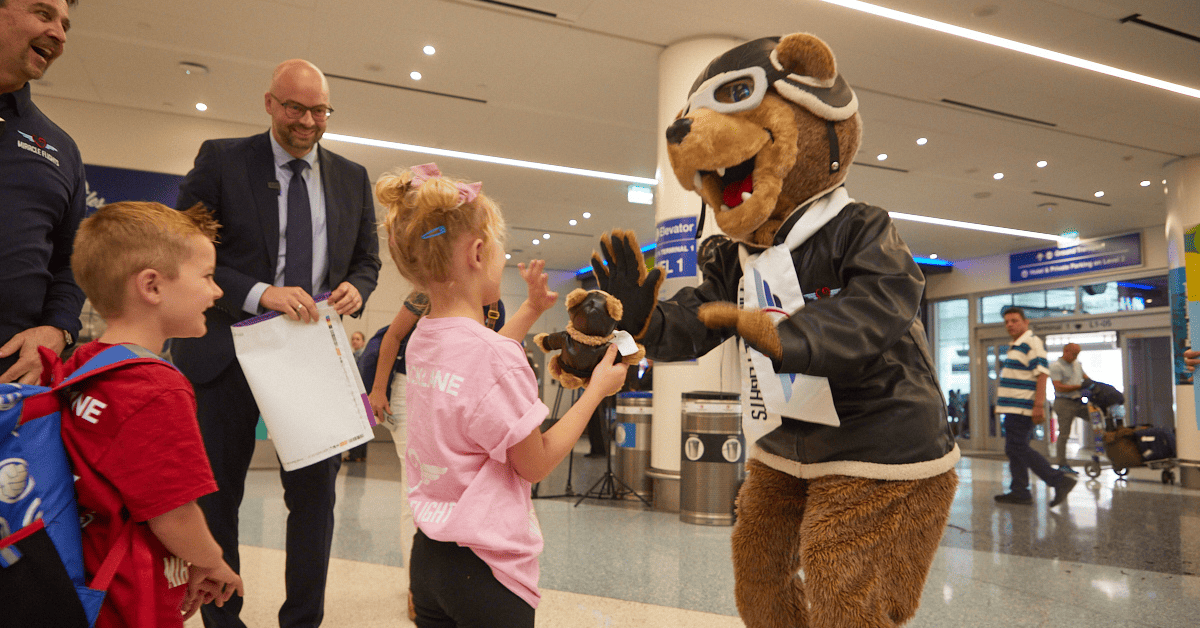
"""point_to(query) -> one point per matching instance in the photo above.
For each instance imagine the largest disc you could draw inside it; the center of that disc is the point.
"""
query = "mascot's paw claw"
(754, 326)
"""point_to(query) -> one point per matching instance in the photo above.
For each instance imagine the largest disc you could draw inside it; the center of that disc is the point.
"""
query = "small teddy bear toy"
(593, 325)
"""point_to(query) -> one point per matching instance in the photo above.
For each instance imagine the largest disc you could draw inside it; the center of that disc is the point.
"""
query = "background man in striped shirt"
(1021, 400)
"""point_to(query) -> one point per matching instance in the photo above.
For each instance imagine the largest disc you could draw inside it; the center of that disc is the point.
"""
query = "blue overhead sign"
(1085, 257)
(110, 185)
(676, 251)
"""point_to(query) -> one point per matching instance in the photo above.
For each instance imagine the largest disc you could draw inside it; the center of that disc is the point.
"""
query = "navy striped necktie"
(297, 270)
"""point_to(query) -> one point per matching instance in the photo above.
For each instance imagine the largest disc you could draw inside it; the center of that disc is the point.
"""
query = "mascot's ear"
(804, 54)
(576, 297)
(614, 307)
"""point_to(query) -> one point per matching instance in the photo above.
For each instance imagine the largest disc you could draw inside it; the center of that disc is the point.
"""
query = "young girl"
(474, 439)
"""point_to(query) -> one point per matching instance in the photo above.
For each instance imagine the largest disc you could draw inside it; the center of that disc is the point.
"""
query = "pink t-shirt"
(471, 396)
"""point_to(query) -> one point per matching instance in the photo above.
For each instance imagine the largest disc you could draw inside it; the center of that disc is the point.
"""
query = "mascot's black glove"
(626, 278)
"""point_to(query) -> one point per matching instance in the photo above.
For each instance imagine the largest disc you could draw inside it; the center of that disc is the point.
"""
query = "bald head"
(297, 87)
(295, 71)
(1070, 352)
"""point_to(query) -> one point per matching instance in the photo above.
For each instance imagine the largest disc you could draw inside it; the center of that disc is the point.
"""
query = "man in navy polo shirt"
(42, 195)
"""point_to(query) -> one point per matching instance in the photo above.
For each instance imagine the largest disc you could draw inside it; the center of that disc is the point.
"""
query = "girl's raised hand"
(541, 298)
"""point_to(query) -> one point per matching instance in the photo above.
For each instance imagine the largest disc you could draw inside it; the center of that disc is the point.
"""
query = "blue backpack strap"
(109, 358)
(113, 357)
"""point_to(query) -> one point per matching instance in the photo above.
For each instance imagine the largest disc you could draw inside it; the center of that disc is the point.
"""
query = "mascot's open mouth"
(737, 183)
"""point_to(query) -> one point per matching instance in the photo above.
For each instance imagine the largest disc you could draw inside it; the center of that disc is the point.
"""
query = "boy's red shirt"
(134, 443)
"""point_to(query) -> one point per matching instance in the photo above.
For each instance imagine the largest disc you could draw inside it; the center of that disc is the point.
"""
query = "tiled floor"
(1118, 553)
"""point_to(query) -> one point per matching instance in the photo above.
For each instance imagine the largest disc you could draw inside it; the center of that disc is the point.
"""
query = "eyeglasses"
(295, 110)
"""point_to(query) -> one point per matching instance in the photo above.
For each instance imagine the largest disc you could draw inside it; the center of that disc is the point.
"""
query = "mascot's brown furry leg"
(866, 547)
(766, 549)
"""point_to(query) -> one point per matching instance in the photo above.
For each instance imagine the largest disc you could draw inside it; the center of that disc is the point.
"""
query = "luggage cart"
(1103, 422)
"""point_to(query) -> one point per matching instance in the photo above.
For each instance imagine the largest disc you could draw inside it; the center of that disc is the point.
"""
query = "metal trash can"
(632, 436)
(712, 457)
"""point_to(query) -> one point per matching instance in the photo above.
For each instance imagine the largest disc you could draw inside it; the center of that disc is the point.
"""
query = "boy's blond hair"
(123, 239)
(414, 212)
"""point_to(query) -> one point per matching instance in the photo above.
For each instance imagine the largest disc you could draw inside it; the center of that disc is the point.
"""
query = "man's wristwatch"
(68, 339)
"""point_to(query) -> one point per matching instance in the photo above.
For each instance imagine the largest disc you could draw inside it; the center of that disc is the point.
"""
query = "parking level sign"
(1082, 258)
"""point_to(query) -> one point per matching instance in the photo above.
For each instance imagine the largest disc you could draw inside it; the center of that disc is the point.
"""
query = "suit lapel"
(334, 213)
(261, 172)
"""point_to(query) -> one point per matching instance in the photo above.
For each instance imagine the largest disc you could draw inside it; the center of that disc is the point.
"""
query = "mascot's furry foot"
(865, 547)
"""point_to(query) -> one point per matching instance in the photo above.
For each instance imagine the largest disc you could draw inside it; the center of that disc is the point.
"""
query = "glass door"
(1149, 379)
(987, 432)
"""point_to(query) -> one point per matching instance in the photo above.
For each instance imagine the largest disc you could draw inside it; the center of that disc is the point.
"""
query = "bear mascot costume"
(851, 473)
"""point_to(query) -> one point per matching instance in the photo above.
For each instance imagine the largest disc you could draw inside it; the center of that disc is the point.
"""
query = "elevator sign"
(1085, 257)
(676, 250)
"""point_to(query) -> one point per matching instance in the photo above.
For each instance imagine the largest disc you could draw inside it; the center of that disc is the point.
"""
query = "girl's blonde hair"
(423, 220)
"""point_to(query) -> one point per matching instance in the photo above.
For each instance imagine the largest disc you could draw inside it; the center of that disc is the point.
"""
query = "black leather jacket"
(864, 336)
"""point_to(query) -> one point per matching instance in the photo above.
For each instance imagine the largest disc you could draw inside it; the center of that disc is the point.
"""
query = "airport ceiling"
(575, 83)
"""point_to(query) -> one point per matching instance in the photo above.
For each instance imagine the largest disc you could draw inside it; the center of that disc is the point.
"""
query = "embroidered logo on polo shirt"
(39, 146)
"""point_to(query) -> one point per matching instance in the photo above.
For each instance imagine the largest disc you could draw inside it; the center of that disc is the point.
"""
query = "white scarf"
(776, 290)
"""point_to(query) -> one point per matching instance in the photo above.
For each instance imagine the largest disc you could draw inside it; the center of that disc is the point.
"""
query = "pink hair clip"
(467, 192)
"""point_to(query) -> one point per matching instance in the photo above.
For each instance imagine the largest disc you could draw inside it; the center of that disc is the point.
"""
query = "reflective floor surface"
(1118, 553)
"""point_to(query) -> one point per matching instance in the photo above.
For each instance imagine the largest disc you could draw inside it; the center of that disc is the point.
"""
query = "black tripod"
(609, 486)
(568, 491)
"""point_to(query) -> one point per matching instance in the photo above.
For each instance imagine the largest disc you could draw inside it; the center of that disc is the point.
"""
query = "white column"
(1182, 189)
(678, 67)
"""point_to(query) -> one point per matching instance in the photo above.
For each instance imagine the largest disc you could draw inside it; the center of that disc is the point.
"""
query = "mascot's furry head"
(769, 125)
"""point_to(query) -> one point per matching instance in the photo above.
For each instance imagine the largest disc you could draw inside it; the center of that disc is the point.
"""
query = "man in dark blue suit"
(296, 220)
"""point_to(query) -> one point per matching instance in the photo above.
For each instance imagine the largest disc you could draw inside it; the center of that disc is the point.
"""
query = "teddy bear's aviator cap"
(831, 100)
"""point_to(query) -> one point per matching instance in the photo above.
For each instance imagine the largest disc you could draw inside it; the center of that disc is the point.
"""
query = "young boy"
(131, 433)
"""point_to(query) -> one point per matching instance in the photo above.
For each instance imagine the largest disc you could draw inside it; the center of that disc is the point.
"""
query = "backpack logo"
(15, 482)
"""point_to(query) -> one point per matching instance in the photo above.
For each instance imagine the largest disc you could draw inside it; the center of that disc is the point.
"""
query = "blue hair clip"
(433, 233)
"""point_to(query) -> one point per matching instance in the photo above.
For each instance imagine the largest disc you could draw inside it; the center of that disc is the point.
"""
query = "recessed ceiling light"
(881, 156)
(589, 214)
(201, 107)
(998, 176)
(933, 256)
(1017, 46)
(508, 256)
(414, 75)
(1145, 184)
(429, 50)
(536, 241)
(574, 222)
(922, 141)
(545, 236)
(1099, 194)
(1041, 164)
(1164, 182)
(193, 69)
